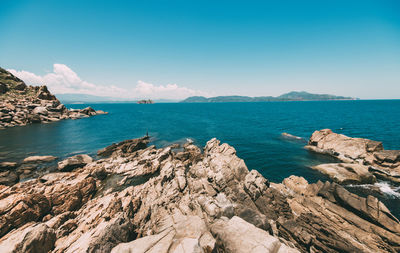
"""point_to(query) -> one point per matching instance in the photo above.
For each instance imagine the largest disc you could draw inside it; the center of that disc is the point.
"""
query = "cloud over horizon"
(64, 80)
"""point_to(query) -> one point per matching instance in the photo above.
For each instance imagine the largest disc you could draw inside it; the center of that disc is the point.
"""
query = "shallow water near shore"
(254, 129)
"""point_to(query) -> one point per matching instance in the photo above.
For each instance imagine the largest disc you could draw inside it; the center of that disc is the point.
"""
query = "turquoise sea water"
(254, 129)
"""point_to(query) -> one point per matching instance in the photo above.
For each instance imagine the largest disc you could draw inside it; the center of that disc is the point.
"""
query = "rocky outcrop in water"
(21, 104)
(144, 199)
(363, 158)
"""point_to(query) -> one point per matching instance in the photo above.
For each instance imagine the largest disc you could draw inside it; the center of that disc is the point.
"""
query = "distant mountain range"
(291, 96)
(72, 98)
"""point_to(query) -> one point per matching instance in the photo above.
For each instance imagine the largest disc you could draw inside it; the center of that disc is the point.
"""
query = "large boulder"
(180, 234)
(347, 173)
(342, 145)
(237, 235)
(39, 159)
(88, 111)
(40, 110)
(127, 146)
(32, 238)
(44, 93)
(74, 162)
(382, 163)
(19, 209)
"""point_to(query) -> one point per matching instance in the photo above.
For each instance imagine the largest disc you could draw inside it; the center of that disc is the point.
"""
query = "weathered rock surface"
(144, 199)
(7, 165)
(21, 104)
(127, 146)
(368, 153)
(347, 173)
(74, 162)
(8, 177)
(39, 159)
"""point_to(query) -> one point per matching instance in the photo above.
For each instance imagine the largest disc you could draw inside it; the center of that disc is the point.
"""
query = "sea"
(253, 129)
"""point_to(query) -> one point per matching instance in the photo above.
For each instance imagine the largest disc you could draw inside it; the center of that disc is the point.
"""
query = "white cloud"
(64, 80)
(170, 91)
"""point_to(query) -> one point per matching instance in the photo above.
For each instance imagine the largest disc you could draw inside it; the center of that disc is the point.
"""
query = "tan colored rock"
(32, 104)
(236, 235)
(31, 238)
(126, 146)
(39, 159)
(347, 173)
(7, 166)
(382, 163)
(162, 200)
(180, 234)
(74, 162)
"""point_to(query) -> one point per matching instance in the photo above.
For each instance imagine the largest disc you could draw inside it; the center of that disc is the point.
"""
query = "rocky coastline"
(21, 104)
(139, 198)
(362, 160)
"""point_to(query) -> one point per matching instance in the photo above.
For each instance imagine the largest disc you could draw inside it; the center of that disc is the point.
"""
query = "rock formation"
(144, 101)
(138, 198)
(363, 158)
(21, 104)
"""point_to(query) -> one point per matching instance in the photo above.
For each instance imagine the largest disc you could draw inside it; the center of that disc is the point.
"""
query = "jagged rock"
(44, 93)
(236, 235)
(8, 177)
(127, 146)
(39, 159)
(21, 104)
(33, 238)
(180, 234)
(88, 111)
(18, 209)
(255, 184)
(145, 199)
(370, 208)
(74, 162)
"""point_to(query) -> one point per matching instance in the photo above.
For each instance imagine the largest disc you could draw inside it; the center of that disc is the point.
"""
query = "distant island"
(291, 96)
(148, 101)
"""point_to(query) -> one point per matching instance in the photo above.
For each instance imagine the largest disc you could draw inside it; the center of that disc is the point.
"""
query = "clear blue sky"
(218, 47)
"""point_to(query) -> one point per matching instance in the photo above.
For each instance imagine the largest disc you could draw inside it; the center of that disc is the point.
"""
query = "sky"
(175, 49)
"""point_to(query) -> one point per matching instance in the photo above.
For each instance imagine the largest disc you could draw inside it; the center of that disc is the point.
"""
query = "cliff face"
(21, 104)
(186, 199)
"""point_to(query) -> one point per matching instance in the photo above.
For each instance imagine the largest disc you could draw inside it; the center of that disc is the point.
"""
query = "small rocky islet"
(139, 198)
(21, 104)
